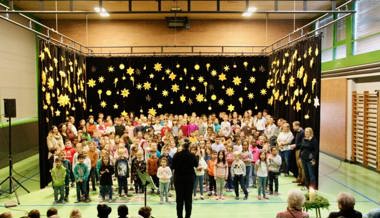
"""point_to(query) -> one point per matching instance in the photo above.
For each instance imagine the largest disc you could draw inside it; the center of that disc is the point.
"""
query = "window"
(340, 52)
(327, 55)
(367, 26)
(327, 32)
(341, 29)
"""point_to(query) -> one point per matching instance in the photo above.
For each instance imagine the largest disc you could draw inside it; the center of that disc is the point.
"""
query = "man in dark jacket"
(299, 135)
(184, 175)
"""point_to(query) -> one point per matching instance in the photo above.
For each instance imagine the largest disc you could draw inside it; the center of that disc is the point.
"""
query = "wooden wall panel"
(334, 117)
(156, 32)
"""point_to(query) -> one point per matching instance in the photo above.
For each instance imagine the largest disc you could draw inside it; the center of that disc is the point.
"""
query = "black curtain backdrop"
(294, 82)
(62, 92)
(176, 84)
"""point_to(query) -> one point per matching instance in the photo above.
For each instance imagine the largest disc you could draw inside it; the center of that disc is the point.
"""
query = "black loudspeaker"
(9, 107)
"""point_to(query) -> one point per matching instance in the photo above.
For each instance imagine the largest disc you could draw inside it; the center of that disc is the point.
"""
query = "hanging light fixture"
(101, 10)
(249, 11)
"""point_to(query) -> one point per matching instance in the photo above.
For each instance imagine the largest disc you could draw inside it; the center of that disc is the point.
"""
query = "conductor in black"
(184, 177)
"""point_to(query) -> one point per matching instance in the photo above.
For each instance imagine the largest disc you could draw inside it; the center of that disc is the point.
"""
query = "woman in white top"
(284, 140)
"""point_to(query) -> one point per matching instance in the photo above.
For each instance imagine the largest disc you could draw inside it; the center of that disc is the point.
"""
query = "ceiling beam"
(182, 12)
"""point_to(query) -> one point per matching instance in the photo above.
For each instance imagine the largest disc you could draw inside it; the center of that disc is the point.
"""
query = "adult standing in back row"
(183, 164)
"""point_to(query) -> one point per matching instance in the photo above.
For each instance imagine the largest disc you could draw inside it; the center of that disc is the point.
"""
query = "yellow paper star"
(101, 79)
(139, 86)
(252, 79)
(182, 98)
(197, 67)
(172, 76)
(110, 69)
(208, 65)
(175, 88)
(177, 66)
(124, 113)
(291, 81)
(221, 102)
(230, 91)
(151, 75)
(200, 97)
(115, 106)
(190, 102)
(298, 106)
(159, 105)
(250, 95)
(125, 93)
(213, 97)
(263, 92)
(147, 85)
(57, 113)
(121, 66)
(103, 104)
(152, 112)
(130, 71)
(245, 63)
(50, 83)
(226, 68)
(157, 67)
(123, 78)
(193, 88)
(231, 108)
(236, 81)
(108, 92)
(63, 100)
(200, 79)
(165, 93)
(167, 71)
(316, 102)
(222, 77)
(213, 73)
(115, 81)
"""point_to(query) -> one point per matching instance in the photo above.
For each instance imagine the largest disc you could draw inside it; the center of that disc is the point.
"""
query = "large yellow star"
(110, 69)
(200, 79)
(130, 71)
(172, 76)
(236, 81)
(230, 91)
(200, 97)
(182, 98)
(222, 77)
(157, 67)
(252, 79)
(291, 81)
(231, 108)
(175, 88)
(221, 102)
(91, 83)
(124, 113)
(167, 71)
(101, 79)
(165, 93)
(226, 68)
(152, 112)
(298, 106)
(147, 85)
(263, 91)
(103, 104)
(125, 93)
(250, 96)
(63, 100)
(50, 83)
(139, 86)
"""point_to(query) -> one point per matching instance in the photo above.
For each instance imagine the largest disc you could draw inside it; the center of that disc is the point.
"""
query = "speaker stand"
(11, 178)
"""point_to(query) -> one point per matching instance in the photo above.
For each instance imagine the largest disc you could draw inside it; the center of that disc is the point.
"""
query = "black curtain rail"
(181, 12)
(171, 0)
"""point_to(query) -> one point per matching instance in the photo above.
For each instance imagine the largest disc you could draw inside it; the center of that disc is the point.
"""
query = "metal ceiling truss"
(42, 31)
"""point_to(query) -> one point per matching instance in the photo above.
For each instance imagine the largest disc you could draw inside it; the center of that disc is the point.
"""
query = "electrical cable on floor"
(28, 178)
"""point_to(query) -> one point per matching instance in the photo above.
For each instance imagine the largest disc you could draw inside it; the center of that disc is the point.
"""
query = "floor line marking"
(352, 189)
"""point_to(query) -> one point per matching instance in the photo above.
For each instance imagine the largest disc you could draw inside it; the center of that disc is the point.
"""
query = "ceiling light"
(252, 9)
(246, 14)
(102, 11)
